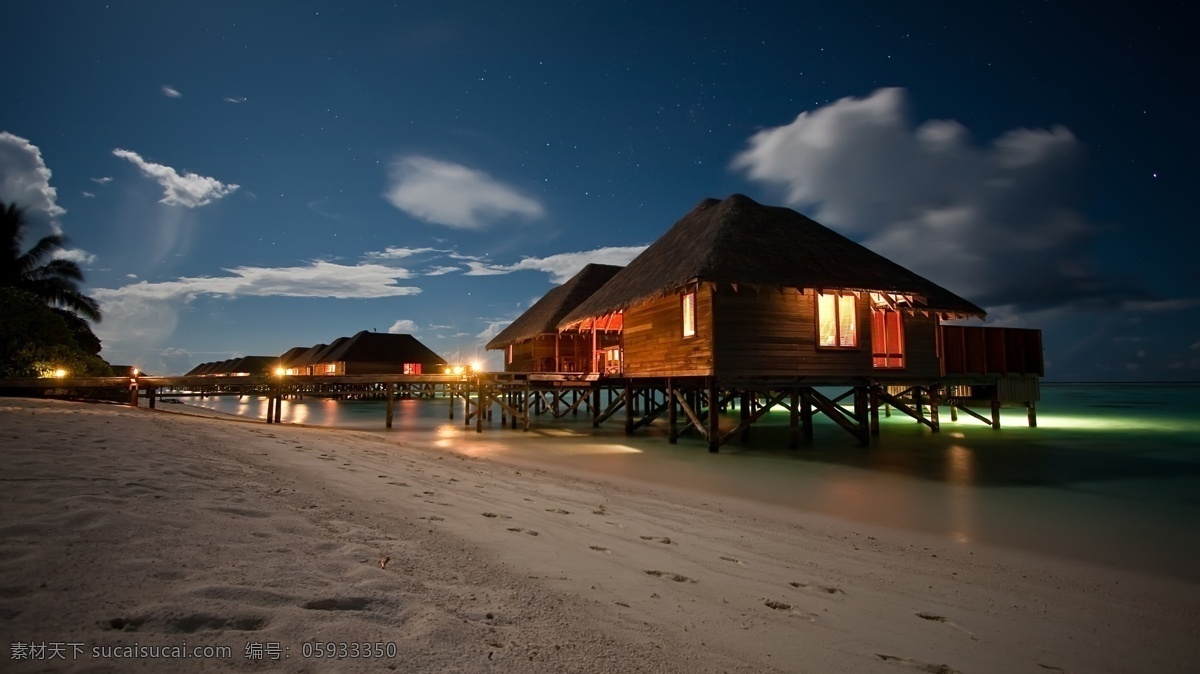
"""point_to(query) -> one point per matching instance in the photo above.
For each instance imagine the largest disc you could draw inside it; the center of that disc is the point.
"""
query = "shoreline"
(287, 515)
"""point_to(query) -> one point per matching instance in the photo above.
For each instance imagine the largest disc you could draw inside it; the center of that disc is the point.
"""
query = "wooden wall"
(921, 357)
(762, 333)
(654, 345)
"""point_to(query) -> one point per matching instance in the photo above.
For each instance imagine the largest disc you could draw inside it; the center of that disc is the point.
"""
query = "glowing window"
(887, 339)
(510, 350)
(412, 368)
(689, 315)
(331, 368)
(836, 324)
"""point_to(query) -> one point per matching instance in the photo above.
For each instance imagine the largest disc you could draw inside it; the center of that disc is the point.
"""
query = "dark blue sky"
(247, 177)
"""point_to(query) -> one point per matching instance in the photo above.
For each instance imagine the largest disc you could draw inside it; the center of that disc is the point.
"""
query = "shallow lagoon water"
(1111, 475)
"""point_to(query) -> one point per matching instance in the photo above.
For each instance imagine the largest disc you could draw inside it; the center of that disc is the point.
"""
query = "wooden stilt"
(918, 405)
(806, 412)
(1032, 413)
(133, 395)
(629, 411)
(390, 404)
(935, 423)
(794, 420)
(150, 394)
(887, 410)
(596, 405)
(672, 415)
(479, 413)
(874, 405)
(744, 414)
(995, 410)
(525, 408)
(714, 417)
(953, 413)
(450, 395)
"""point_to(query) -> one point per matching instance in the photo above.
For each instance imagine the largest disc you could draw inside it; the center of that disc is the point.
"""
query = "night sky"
(244, 177)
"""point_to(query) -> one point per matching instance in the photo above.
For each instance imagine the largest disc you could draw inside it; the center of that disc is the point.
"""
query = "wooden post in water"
(1032, 413)
(672, 414)
(596, 403)
(133, 393)
(450, 395)
(628, 408)
(935, 423)
(278, 404)
(744, 413)
(794, 421)
(874, 405)
(390, 395)
(995, 409)
(150, 394)
(806, 415)
(714, 416)
(479, 407)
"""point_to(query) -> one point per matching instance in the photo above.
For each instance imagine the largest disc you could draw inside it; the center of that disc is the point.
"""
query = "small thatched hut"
(533, 343)
(739, 290)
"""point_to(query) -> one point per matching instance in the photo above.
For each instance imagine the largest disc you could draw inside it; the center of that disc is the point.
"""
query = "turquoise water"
(1111, 475)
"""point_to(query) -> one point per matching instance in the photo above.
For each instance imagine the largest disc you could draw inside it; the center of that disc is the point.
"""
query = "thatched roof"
(543, 317)
(739, 241)
(308, 357)
(381, 347)
(289, 357)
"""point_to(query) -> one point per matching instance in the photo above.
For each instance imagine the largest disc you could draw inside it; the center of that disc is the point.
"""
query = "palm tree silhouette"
(55, 281)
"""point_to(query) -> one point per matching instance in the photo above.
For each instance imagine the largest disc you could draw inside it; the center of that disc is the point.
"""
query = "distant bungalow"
(364, 353)
(742, 296)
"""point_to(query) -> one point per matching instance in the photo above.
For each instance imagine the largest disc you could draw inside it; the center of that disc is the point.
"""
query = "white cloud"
(175, 360)
(141, 316)
(88, 195)
(996, 223)
(454, 195)
(493, 328)
(403, 326)
(189, 190)
(231, 99)
(131, 276)
(25, 181)
(103, 181)
(396, 253)
(170, 91)
(318, 279)
(77, 255)
(561, 266)
(438, 271)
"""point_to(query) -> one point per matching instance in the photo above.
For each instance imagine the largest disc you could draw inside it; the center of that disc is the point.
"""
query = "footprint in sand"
(523, 530)
(661, 539)
(399, 484)
(731, 559)
(922, 666)
(677, 577)
(600, 548)
(558, 511)
(493, 515)
(778, 605)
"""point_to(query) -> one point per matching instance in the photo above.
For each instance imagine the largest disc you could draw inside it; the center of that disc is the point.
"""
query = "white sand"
(120, 526)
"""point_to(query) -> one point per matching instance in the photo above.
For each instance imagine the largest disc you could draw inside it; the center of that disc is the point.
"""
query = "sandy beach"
(126, 530)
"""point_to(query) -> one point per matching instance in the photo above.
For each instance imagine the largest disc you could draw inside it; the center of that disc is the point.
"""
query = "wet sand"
(125, 526)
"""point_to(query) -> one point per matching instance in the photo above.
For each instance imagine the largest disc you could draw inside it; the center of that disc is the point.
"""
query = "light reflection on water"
(1111, 474)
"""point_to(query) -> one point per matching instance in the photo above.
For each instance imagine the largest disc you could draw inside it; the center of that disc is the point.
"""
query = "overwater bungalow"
(377, 353)
(739, 298)
(533, 342)
(287, 361)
